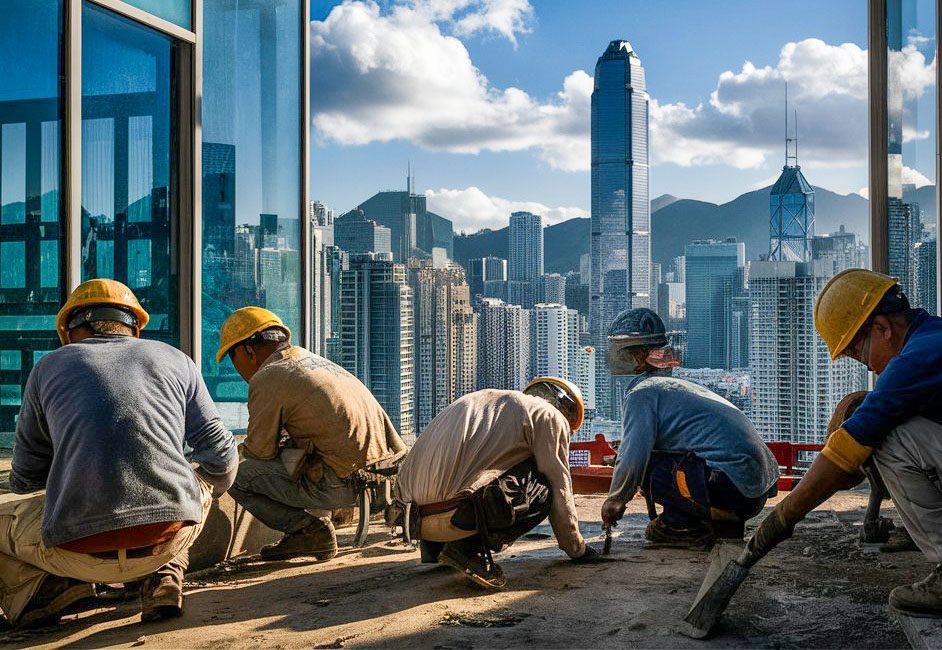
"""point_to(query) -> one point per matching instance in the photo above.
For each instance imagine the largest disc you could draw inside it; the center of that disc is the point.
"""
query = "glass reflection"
(127, 220)
(252, 212)
(912, 233)
(30, 202)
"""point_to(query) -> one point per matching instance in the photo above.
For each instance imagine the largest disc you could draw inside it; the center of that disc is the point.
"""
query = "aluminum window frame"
(878, 133)
(188, 143)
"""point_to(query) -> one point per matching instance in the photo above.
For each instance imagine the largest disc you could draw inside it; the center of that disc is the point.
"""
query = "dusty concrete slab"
(819, 589)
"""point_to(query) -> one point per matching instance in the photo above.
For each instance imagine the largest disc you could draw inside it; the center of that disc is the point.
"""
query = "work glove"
(591, 556)
(612, 511)
(773, 530)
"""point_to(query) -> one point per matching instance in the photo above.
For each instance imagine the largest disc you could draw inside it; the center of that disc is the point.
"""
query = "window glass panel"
(127, 154)
(174, 11)
(912, 234)
(30, 281)
(251, 175)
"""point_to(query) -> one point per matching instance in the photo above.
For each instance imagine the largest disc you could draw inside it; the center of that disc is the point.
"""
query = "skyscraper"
(445, 338)
(715, 272)
(376, 334)
(621, 244)
(525, 261)
(503, 345)
(924, 275)
(485, 269)
(356, 234)
(554, 341)
(554, 288)
(795, 385)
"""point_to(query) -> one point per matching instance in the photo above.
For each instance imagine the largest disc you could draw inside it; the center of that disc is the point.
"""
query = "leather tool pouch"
(496, 506)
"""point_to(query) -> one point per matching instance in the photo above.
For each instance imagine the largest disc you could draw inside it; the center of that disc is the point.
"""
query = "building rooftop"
(818, 589)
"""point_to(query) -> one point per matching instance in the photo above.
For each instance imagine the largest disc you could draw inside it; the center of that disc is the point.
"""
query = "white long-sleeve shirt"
(478, 438)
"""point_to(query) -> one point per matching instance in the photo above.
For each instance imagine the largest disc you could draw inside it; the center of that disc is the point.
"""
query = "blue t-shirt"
(910, 385)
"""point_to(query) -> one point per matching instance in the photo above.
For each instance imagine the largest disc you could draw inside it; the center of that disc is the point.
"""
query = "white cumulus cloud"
(383, 75)
(743, 123)
(471, 209)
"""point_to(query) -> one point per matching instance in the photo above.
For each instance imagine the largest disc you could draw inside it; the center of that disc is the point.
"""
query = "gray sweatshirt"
(667, 414)
(103, 427)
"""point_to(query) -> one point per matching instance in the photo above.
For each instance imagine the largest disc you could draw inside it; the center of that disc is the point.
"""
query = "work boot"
(921, 599)
(318, 540)
(161, 597)
(55, 594)
(697, 538)
(473, 566)
(898, 541)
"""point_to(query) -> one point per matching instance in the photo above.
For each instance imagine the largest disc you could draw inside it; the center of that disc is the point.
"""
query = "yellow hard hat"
(100, 291)
(845, 304)
(571, 389)
(243, 324)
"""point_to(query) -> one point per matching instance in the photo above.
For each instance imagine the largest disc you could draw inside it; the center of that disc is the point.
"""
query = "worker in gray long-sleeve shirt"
(685, 447)
(102, 490)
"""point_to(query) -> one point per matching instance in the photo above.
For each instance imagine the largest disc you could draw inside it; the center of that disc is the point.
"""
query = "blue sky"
(488, 98)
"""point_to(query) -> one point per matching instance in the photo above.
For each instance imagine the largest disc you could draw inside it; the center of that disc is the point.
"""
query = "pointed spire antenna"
(796, 137)
(789, 142)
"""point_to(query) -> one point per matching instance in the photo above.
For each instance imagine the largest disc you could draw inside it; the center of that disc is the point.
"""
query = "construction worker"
(312, 427)
(102, 491)
(489, 468)
(685, 447)
(865, 316)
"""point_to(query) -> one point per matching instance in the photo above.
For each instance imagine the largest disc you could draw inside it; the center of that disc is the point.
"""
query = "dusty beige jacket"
(482, 435)
(316, 400)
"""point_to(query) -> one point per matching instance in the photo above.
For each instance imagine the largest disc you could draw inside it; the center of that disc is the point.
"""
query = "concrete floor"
(820, 589)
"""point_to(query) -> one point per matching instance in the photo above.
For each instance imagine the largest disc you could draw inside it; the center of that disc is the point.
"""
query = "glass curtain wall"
(251, 162)
(128, 222)
(31, 205)
(912, 237)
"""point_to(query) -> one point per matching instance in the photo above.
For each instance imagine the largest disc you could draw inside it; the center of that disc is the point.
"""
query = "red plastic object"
(596, 477)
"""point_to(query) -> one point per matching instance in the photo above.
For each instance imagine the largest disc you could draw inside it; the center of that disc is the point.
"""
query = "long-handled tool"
(729, 566)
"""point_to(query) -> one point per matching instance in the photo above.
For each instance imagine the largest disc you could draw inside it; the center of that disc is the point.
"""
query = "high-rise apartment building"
(584, 376)
(924, 275)
(620, 232)
(322, 216)
(445, 338)
(715, 273)
(554, 341)
(841, 250)
(795, 385)
(503, 345)
(554, 288)
(525, 259)
(376, 334)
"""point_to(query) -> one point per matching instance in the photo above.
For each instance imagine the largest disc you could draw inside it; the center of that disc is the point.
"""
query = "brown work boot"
(899, 541)
(921, 599)
(318, 540)
(697, 538)
(472, 565)
(55, 594)
(161, 597)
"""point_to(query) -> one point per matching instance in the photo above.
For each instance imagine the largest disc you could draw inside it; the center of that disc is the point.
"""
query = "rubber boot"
(318, 540)
(54, 595)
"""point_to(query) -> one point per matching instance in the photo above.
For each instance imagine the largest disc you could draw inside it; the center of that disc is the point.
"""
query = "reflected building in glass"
(621, 243)
(115, 183)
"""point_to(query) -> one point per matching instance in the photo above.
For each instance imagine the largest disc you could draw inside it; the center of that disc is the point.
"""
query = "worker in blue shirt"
(683, 446)
(864, 315)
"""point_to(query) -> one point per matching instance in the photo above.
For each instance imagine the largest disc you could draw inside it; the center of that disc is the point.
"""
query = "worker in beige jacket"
(489, 468)
(312, 427)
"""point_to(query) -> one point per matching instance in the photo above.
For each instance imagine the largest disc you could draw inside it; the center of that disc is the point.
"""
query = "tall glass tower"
(621, 233)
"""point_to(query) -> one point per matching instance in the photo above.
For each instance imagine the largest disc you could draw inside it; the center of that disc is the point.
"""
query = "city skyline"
(698, 88)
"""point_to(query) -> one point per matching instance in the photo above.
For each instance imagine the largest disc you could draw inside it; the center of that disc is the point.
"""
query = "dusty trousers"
(525, 497)
(909, 461)
(25, 560)
(264, 488)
